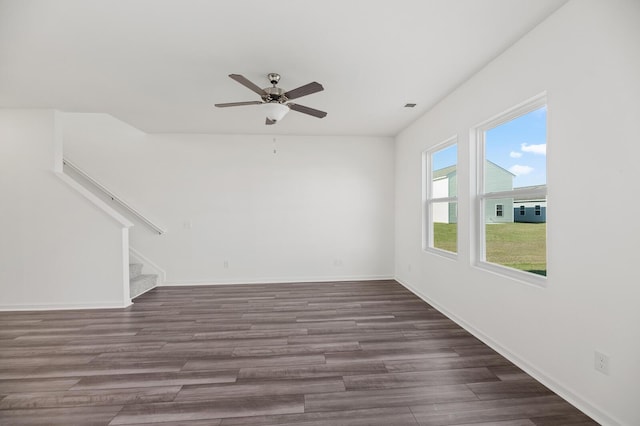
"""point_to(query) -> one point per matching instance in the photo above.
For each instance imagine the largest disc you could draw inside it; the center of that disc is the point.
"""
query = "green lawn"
(445, 236)
(516, 245)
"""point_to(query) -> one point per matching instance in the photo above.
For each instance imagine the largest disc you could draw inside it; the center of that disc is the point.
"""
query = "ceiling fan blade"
(230, 104)
(269, 122)
(305, 90)
(246, 83)
(306, 110)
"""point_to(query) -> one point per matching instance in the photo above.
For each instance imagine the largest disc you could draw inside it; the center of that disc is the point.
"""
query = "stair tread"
(143, 277)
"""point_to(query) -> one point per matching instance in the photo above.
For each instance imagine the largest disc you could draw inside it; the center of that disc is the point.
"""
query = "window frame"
(541, 191)
(428, 200)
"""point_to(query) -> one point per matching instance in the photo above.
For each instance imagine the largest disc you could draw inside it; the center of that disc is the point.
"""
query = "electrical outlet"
(226, 264)
(601, 362)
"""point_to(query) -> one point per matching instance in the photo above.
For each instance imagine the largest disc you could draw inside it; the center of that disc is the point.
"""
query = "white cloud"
(514, 154)
(519, 170)
(536, 149)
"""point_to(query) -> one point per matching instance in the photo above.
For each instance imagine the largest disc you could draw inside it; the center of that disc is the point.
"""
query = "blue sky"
(519, 145)
(445, 157)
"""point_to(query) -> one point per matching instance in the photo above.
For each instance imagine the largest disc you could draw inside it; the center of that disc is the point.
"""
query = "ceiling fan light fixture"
(275, 111)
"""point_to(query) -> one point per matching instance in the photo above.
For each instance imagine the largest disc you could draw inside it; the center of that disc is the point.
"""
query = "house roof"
(440, 173)
(500, 167)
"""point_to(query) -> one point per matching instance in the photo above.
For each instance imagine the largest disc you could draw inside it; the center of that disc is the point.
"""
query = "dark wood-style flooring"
(343, 353)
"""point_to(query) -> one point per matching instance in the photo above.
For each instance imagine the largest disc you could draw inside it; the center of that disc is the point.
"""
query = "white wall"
(587, 57)
(320, 208)
(57, 250)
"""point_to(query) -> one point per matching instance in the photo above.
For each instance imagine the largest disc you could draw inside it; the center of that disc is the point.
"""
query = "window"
(512, 167)
(441, 198)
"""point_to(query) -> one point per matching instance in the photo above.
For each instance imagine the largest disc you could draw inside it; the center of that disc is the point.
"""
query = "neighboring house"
(496, 211)
(445, 184)
(530, 210)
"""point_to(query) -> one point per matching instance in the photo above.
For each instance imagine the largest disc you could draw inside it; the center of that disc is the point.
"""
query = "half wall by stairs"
(140, 283)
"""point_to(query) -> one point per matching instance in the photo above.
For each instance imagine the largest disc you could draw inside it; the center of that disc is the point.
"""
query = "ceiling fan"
(276, 100)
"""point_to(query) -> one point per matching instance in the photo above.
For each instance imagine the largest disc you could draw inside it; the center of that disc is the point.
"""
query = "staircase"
(138, 282)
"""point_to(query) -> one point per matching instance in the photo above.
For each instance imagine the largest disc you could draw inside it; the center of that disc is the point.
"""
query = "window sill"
(442, 253)
(528, 278)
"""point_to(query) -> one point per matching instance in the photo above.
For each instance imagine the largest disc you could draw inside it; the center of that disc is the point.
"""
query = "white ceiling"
(160, 65)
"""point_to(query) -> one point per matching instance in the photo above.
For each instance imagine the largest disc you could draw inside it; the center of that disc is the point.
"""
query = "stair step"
(135, 269)
(141, 284)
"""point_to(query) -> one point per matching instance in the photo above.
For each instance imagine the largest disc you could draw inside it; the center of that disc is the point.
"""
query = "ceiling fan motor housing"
(274, 94)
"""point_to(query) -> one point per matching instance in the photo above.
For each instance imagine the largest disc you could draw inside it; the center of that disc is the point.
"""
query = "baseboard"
(569, 395)
(64, 306)
(250, 281)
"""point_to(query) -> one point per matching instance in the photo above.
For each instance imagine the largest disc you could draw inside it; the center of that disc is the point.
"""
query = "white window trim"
(480, 256)
(428, 201)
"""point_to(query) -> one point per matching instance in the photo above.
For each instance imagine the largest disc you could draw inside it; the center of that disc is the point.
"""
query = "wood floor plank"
(250, 334)
(28, 385)
(424, 343)
(115, 367)
(211, 352)
(518, 422)
(358, 335)
(257, 388)
(89, 416)
(240, 362)
(509, 389)
(448, 363)
(50, 351)
(508, 372)
(223, 343)
(327, 326)
(174, 378)
(389, 354)
(312, 354)
(402, 397)
(388, 416)
(318, 370)
(415, 378)
(11, 373)
(491, 410)
(577, 419)
(54, 360)
(206, 422)
(317, 348)
(91, 398)
(209, 409)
